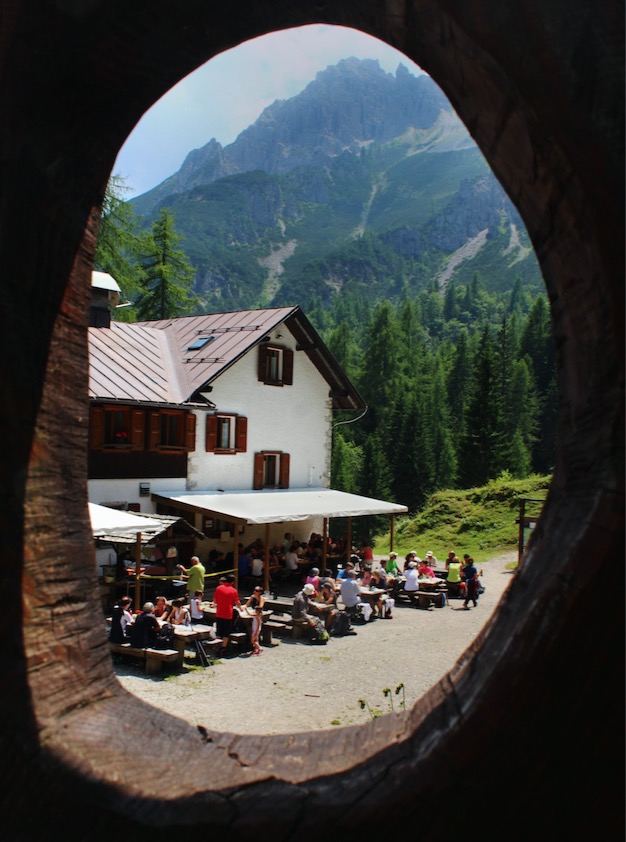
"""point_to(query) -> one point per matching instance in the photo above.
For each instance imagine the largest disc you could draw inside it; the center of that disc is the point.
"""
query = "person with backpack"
(302, 614)
(470, 576)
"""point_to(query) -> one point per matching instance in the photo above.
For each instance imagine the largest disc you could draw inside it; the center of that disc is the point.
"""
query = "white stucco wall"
(294, 419)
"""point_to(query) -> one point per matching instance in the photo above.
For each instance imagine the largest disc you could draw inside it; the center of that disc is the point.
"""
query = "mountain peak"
(346, 107)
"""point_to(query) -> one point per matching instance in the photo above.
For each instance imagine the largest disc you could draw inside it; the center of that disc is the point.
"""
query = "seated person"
(385, 604)
(351, 597)
(314, 578)
(121, 621)
(163, 609)
(343, 573)
(391, 565)
(257, 565)
(291, 559)
(180, 615)
(326, 603)
(328, 580)
(145, 629)
(454, 580)
(366, 579)
(411, 584)
(301, 610)
(425, 571)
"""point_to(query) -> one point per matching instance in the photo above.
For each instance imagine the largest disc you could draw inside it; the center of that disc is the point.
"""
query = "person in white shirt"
(257, 565)
(291, 558)
(195, 607)
(411, 577)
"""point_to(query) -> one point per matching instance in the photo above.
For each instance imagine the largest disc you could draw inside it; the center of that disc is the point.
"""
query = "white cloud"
(228, 93)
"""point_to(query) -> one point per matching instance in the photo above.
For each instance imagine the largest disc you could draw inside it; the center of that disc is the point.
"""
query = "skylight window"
(200, 342)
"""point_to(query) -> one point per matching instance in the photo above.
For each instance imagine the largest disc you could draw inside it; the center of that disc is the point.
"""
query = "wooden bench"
(266, 636)
(237, 639)
(154, 658)
(427, 598)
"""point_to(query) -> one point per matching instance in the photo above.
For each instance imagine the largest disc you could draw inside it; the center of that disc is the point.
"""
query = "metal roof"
(154, 362)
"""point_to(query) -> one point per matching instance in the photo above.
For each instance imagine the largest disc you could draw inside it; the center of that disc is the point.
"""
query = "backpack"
(341, 624)
(165, 637)
(320, 635)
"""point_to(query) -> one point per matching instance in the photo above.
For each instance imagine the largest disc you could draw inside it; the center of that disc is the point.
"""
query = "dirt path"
(297, 687)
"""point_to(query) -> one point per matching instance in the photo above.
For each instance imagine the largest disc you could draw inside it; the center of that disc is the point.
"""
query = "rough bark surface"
(540, 86)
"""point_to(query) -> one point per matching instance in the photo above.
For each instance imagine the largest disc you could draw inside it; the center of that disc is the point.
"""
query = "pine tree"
(480, 441)
(380, 377)
(168, 275)
(120, 243)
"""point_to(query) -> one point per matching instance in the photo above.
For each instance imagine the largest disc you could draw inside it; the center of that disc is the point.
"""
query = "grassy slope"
(479, 521)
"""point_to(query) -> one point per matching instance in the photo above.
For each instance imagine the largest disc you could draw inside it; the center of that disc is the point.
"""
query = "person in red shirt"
(225, 598)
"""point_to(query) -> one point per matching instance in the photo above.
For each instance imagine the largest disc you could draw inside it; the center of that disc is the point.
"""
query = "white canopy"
(107, 521)
(275, 505)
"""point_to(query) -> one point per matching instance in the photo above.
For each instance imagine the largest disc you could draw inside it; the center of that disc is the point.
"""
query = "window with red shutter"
(275, 365)
(271, 469)
(226, 433)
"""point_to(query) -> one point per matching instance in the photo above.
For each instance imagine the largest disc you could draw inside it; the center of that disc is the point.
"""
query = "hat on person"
(393, 555)
(412, 564)
(309, 589)
(413, 552)
(429, 553)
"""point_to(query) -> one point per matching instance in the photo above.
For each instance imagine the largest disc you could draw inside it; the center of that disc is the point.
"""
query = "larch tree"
(168, 276)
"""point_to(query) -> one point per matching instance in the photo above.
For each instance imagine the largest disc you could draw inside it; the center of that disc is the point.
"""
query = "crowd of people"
(328, 602)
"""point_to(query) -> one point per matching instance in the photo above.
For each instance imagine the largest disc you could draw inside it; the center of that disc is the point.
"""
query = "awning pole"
(138, 572)
(392, 522)
(236, 556)
(266, 560)
(349, 541)
(324, 544)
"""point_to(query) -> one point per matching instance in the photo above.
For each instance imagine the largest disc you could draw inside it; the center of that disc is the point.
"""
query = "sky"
(228, 93)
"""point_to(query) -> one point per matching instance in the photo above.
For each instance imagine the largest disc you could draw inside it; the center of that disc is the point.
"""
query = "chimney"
(105, 295)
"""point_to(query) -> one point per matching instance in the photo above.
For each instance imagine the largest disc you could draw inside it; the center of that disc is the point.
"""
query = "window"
(172, 430)
(275, 365)
(116, 428)
(226, 433)
(271, 469)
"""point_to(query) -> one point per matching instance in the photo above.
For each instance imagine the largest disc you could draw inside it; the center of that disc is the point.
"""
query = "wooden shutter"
(262, 367)
(190, 431)
(210, 439)
(241, 434)
(283, 479)
(154, 431)
(287, 367)
(137, 429)
(96, 428)
(259, 461)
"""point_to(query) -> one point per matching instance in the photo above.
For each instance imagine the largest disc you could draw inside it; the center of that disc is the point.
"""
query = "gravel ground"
(298, 687)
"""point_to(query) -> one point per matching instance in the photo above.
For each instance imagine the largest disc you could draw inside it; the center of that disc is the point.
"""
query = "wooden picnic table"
(183, 635)
(372, 595)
